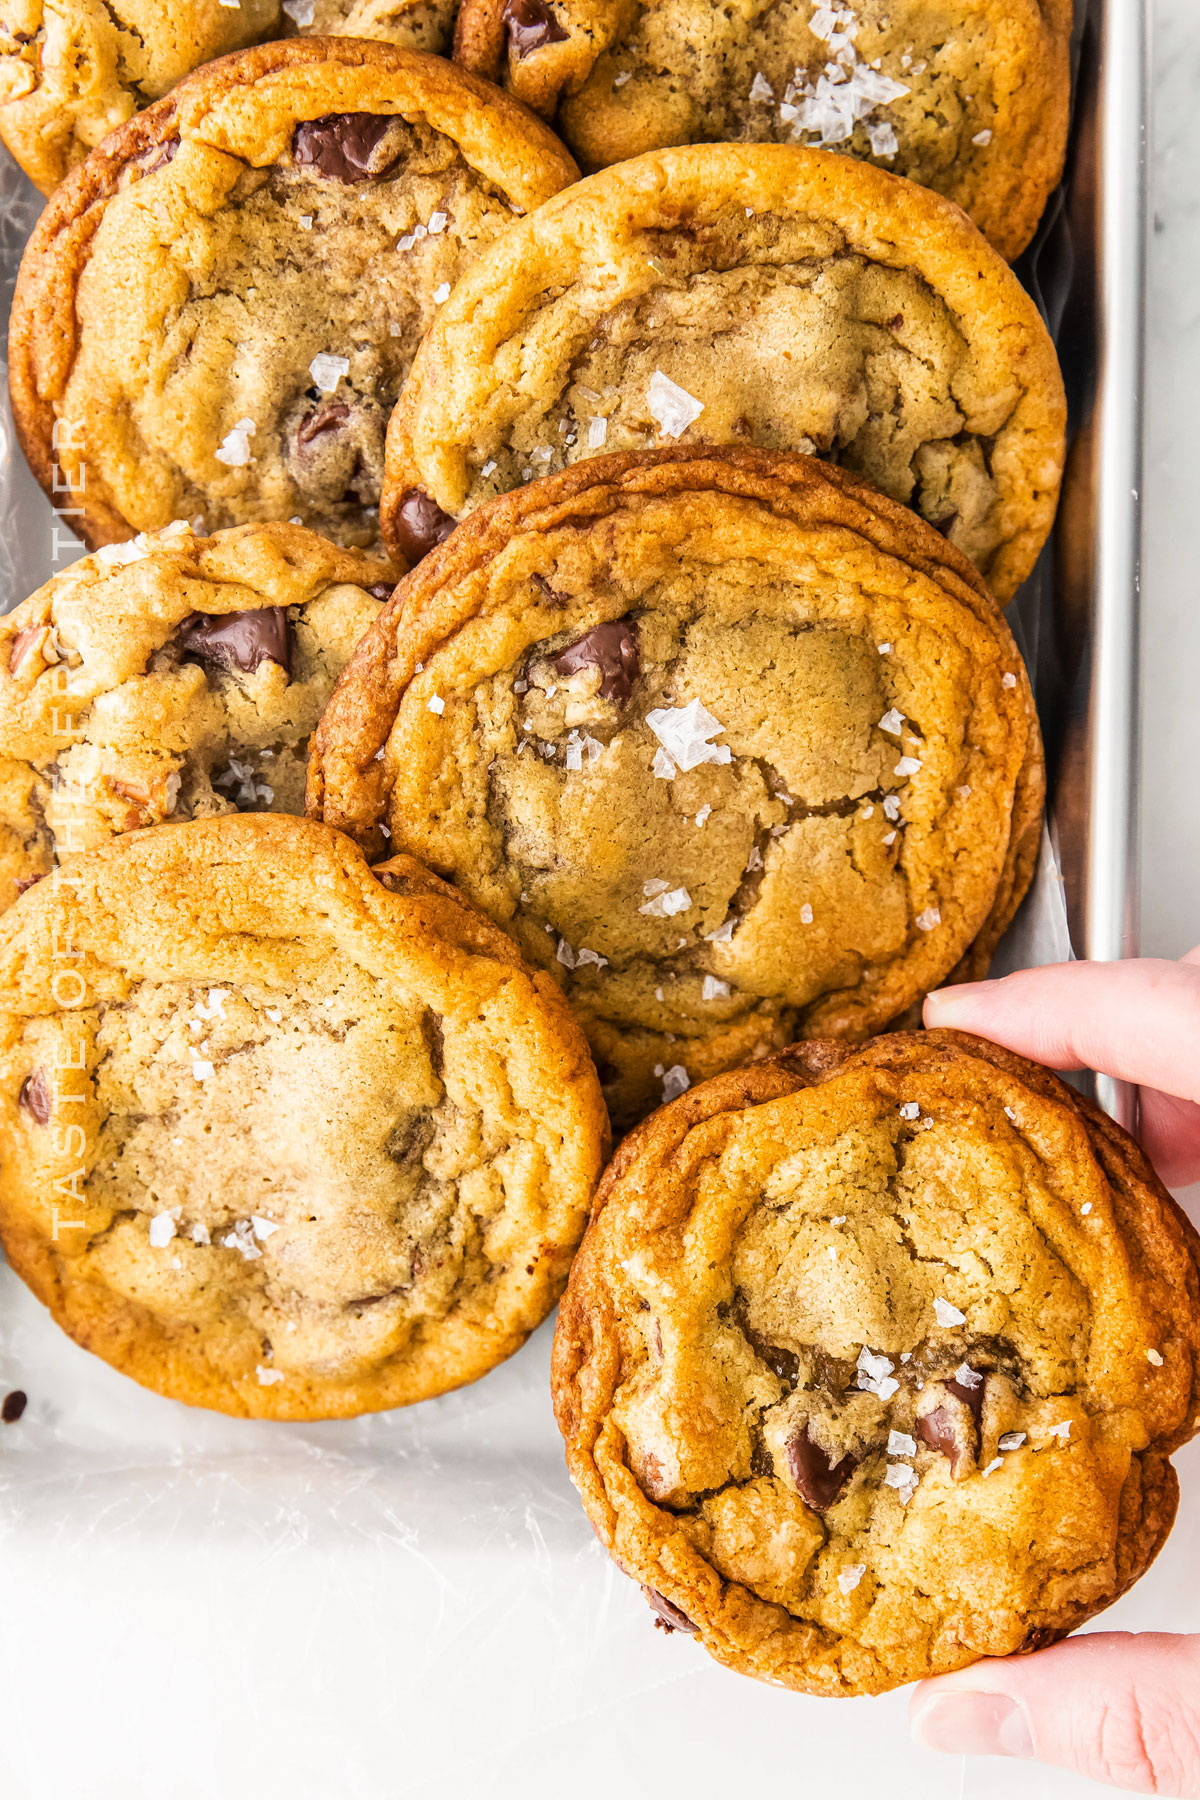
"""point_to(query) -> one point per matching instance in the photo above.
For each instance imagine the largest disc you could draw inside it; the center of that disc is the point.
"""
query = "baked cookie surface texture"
(971, 100)
(171, 677)
(752, 295)
(733, 746)
(872, 1361)
(216, 310)
(73, 70)
(285, 1137)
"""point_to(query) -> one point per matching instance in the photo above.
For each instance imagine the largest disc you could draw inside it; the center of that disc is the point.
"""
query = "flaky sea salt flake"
(684, 731)
(928, 920)
(900, 1444)
(721, 935)
(436, 704)
(910, 1110)
(968, 1377)
(849, 1577)
(982, 137)
(946, 1314)
(327, 370)
(268, 1377)
(806, 914)
(676, 1081)
(234, 448)
(1011, 1440)
(671, 407)
(908, 765)
(1155, 1357)
(760, 88)
(892, 720)
(666, 905)
(597, 431)
(262, 1228)
(713, 989)
(162, 1230)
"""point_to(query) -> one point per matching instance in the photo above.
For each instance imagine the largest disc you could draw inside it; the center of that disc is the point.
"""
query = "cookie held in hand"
(170, 678)
(285, 1137)
(744, 295)
(733, 746)
(217, 309)
(872, 1361)
(969, 99)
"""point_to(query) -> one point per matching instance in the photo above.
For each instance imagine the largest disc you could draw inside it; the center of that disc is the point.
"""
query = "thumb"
(1115, 1707)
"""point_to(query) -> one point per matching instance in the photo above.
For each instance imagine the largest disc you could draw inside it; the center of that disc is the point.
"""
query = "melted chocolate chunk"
(613, 649)
(1037, 1639)
(531, 25)
(158, 158)
(13, 1405)
(784, 1364)
(943, 1427)
(381, 590)
(970, 1396)
(325, 417)
(421, 525)
(818, 1480)
(237, 640)
(36, 1097)
(20, 646)
(345, 146)
(669, 1616)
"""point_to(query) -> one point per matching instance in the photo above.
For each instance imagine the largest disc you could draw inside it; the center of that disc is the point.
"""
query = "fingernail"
(975, 1725)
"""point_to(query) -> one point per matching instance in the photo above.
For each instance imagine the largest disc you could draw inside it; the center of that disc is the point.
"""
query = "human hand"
(1121, 1708)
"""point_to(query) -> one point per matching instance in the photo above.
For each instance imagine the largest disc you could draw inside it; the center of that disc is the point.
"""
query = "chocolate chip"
(240, 640)
(421, 525)
(970, 1396)
(531, 25)
(897, 323)
(944, 1428)
(22, 643)
(947, 524)
(782, 1363)
(37, 1097)
(818, 1479)
(345, 146)
(322, 418)
(669, 1616)
(1037, 1639)
(613, 649)
(25, 882)
(381, 590)
(160, 156)
(13, 1405)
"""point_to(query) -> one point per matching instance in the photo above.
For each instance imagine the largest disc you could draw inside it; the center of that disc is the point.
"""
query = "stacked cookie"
(611, 571)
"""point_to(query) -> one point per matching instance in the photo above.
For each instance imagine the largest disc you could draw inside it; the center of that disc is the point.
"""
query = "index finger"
(1137, 1021)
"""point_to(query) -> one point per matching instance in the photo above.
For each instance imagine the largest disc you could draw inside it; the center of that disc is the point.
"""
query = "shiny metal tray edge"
(1096, 554)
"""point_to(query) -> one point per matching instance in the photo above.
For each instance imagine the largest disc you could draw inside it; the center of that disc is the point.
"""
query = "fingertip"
(972, 1722)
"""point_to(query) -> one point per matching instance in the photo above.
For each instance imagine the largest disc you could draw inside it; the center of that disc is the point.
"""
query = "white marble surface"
(163, 1663)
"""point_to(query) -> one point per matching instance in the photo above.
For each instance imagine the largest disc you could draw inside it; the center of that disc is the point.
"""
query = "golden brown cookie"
(218, 307)
(743, 294)
(281, 1135)
(732, 745)
(971, 100)
(73, 70)
(172, 677)
(871, 1361)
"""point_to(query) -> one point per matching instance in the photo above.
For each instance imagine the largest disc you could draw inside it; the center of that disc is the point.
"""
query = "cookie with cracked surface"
(732, 745)
(172, 677)
(71, 71)
(872, 1361)
(286, 1137)
(217, 308)
(731, 294)
(969, 100)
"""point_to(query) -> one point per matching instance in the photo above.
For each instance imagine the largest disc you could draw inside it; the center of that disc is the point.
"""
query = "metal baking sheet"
(495, 1585)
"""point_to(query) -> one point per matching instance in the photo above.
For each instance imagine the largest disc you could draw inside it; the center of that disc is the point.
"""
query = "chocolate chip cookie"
(759, 295)
(279, 1134)
(871, 1361)
(73, 71)
(218, 307)
(971, 100)
(732, 745)
(173, 677)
